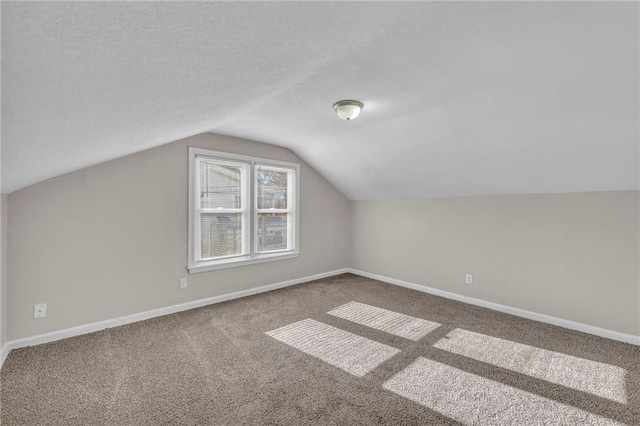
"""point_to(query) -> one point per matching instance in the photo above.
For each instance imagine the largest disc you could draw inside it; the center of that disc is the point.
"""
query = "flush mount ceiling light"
(348, 110)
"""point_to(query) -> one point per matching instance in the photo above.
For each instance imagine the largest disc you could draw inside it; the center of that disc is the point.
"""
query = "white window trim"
(253, 257)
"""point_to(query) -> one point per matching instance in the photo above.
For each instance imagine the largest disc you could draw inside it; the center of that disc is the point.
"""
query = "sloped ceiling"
(460, 98)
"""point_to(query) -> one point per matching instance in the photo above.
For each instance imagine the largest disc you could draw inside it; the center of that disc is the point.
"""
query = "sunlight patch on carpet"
(354, 354)
(596, 378)
(474, 400)
(384, 320)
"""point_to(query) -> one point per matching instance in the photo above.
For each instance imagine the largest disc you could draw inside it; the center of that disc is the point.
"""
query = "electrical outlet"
(183, 283)
(469, 279)
(40, 310)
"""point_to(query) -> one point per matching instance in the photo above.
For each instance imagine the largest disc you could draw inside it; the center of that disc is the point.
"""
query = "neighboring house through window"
(242, 210)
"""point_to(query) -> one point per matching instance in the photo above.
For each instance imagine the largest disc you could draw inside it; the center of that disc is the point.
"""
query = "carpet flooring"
(344, 350)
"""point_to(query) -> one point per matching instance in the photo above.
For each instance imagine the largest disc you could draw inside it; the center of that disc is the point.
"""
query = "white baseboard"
(628, 338)
(101, 325)
(4, 351)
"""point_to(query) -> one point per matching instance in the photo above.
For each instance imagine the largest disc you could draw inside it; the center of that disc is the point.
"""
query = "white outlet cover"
(183, 283)
(40, 310)
(469, 279)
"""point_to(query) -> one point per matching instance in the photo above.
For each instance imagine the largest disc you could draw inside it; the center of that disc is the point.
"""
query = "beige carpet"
(344, 350)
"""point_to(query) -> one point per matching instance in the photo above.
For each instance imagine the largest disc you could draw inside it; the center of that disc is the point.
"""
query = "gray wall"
(571, 256)
(111, 240)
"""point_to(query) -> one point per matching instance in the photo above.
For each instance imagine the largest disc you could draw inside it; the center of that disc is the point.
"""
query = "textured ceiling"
(460, 98)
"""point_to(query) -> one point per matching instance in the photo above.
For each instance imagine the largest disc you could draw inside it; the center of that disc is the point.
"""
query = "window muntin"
(241, 210)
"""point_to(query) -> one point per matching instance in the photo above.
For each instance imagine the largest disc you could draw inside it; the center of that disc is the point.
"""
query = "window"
(242, 210)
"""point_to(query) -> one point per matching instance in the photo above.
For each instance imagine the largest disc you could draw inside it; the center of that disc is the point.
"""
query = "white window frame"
(250, 212)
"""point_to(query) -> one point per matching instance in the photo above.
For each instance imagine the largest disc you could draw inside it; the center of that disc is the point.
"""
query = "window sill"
(214, 266)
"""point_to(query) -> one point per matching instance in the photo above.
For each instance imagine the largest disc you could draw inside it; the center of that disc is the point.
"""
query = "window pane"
(220, 185)
(220, 234)
(272, 231)
(271, 187)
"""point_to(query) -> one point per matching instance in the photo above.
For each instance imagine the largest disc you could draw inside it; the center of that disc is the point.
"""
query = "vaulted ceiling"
(460, 98)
